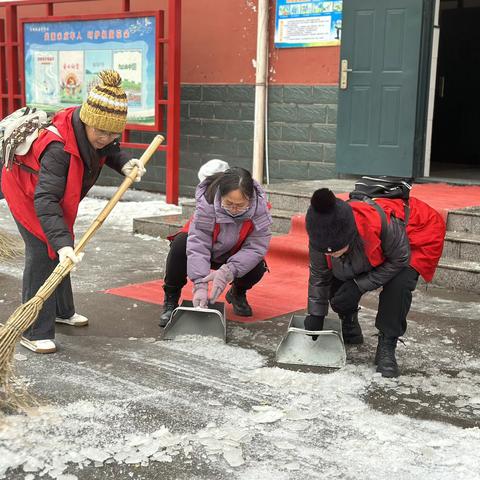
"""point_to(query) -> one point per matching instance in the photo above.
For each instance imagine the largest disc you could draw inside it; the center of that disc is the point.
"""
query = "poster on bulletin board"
(300, 23)
(63, 59)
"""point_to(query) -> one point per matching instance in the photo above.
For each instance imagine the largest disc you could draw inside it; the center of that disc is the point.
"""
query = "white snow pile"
(216, 349)
(50, 438)
(134, 204)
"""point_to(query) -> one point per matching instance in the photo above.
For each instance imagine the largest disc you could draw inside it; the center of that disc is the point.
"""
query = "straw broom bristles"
(25, 315)
(9, 246)
(22, 319)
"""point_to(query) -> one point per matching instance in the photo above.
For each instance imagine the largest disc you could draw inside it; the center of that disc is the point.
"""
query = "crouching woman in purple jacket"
(229, 234)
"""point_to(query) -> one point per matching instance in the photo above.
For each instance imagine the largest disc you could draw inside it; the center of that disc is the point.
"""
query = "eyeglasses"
(235, 207)
(105, 134)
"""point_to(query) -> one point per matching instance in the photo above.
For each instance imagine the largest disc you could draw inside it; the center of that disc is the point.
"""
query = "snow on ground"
(225, 408)
(134, 204)
(110, 248)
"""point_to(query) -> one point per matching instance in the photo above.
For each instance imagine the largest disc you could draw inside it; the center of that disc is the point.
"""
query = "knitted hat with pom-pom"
(106, 104)
(330, 222)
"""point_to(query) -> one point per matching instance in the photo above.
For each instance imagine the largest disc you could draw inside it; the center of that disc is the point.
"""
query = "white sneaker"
(76, 320)
(39, 346)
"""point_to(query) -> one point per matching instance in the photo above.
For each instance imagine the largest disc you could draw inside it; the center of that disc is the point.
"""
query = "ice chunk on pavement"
(237, 435)
(266, 414)
(296, 426)
(150, 448)
(234, 456)
(134, 459)
(161, 457)
(95, 454)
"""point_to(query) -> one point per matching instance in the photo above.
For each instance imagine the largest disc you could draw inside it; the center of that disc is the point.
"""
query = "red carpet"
(284, 288)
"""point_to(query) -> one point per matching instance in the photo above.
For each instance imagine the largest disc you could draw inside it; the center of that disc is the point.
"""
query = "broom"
(25, 315)
(9, 246)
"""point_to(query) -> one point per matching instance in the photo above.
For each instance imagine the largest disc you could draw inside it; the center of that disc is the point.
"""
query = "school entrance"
(455, 147)
(408, 98)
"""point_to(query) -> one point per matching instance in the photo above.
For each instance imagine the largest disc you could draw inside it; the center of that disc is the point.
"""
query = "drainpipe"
(260, 91)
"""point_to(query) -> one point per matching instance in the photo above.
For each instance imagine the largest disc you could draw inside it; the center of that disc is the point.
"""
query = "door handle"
(344, 70)
(442, 87)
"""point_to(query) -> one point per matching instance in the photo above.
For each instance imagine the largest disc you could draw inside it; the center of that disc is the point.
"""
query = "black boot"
(385, 356)
(351, 330)
(170, 303)
(238, 299)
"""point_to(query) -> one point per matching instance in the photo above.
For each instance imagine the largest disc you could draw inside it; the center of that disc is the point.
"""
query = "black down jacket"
(355, 265)
(52, 178)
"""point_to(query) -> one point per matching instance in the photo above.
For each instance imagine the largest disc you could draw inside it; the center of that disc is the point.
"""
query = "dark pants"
(176, 268)
(38, 266)
(394, 303)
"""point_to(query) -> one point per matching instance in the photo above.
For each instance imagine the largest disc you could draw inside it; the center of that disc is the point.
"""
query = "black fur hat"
(330, 222)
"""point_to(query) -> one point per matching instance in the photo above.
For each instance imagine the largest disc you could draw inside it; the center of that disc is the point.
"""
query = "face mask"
(236, 214)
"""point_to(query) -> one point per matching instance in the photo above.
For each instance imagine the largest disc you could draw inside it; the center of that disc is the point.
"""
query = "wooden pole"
(260, 91)
(126, 184)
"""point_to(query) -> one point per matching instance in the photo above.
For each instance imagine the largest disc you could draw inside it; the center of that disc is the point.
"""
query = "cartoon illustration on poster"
(129, 65)
(95, 62)
(62, 60)
(71, 77)
(302, 23)
(45, 88)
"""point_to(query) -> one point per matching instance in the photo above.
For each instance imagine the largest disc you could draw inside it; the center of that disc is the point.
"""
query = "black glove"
(346, 298)
(315, 323)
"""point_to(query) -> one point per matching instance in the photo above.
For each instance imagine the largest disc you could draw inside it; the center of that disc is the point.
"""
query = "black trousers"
(394, 302)
(176, 268)
(38, 266)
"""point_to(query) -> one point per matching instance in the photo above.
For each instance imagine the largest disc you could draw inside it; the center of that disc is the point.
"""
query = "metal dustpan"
(187, 320)
(298, 348)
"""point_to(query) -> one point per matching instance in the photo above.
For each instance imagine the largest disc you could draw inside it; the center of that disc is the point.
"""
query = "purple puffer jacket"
(201, 252)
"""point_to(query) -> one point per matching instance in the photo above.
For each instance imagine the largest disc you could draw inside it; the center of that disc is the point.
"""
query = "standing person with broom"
(44, 188)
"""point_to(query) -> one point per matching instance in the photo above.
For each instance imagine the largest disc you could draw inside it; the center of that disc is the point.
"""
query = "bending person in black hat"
(351, 252)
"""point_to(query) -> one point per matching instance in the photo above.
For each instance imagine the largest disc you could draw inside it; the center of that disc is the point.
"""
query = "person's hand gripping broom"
(26, 314)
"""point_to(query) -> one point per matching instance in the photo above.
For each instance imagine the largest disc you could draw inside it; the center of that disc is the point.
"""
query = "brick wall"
(217, 122)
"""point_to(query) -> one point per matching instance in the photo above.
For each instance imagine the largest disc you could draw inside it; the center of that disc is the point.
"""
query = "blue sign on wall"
(63, 59)
(301, 23)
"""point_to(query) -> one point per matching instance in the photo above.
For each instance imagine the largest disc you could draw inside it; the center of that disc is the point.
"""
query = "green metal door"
(380, 55)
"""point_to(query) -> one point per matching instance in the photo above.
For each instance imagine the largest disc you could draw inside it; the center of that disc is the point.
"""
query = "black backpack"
(382, 187)
(368, 188)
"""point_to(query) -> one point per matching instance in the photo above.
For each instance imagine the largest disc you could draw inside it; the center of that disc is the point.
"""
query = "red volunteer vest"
(18, 185)
(425, 230)
(245, 230)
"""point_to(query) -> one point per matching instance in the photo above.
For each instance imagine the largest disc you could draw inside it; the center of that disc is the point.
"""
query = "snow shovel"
(298, 347)
(188, 320)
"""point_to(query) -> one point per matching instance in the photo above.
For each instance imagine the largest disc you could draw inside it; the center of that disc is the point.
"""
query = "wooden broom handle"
(126, 184)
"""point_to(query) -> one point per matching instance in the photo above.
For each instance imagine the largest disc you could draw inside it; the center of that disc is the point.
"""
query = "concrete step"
(462, 246)
(458, 275)
(165, 225)
(158, 226)
(295, 196)
(464, 220)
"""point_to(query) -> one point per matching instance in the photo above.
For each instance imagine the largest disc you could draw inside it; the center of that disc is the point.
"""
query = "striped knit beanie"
(106, 104)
